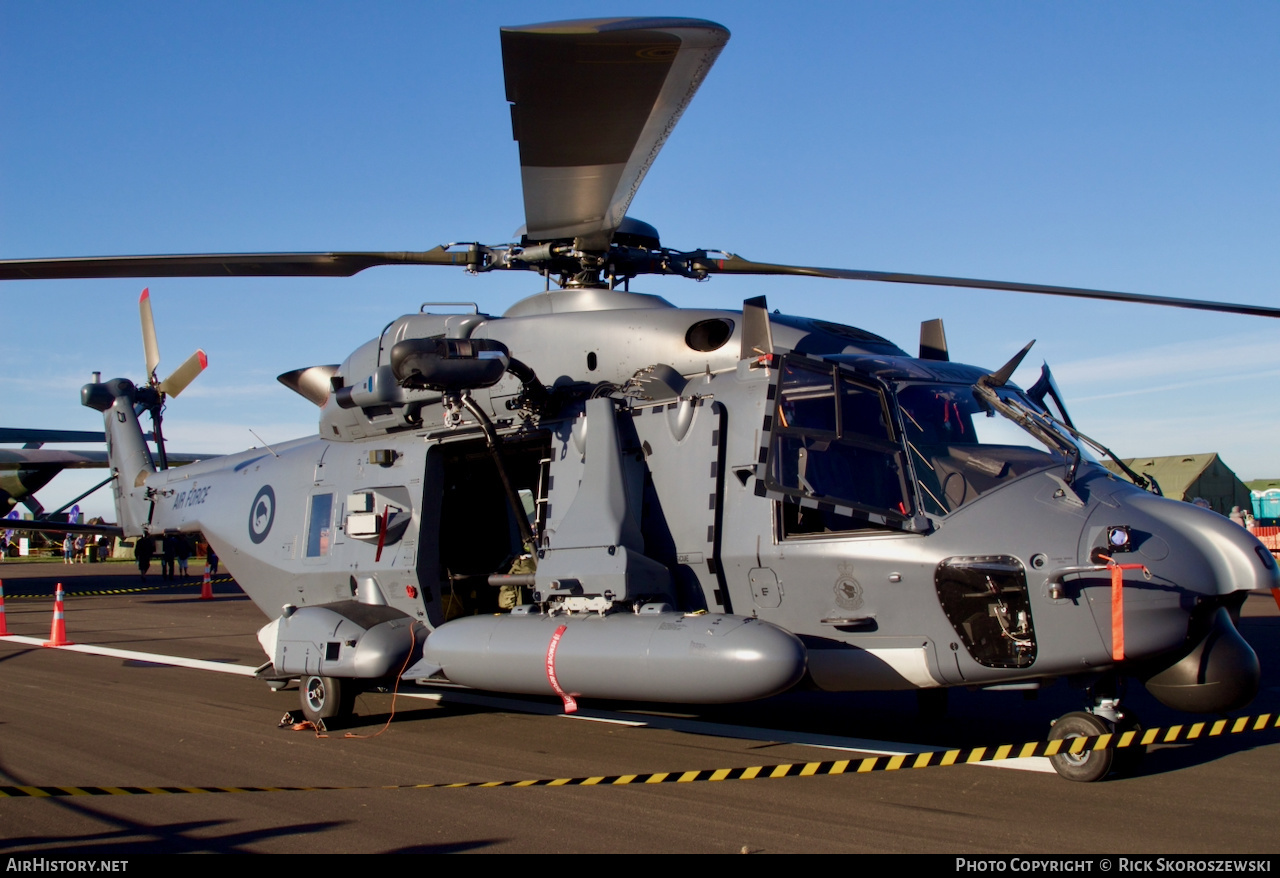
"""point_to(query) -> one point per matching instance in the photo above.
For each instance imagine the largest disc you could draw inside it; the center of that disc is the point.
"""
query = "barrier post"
(58, 632)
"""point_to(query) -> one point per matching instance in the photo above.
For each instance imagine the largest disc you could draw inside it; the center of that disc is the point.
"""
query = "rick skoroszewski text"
(1112, 864)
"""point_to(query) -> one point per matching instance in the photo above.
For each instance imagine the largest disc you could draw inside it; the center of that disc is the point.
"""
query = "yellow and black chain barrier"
(1170, 735)
(197, 582)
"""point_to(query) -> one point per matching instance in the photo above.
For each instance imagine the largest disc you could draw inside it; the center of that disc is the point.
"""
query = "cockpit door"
(835, 455)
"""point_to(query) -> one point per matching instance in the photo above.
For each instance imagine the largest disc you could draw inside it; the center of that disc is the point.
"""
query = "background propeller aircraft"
(834, 506)
(25, 470)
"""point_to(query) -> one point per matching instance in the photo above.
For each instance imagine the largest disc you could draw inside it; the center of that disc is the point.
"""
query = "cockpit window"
(960, 447)
(835, 452)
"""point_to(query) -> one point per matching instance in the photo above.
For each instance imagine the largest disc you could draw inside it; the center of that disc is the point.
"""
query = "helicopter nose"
(1213, 563)
(1201, 551)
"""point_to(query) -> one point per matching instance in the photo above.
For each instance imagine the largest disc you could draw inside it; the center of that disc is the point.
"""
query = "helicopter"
(598, 494)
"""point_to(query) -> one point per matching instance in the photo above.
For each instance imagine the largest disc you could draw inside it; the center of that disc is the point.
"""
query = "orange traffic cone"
(206, 589)
(4, 629)
(58, 633)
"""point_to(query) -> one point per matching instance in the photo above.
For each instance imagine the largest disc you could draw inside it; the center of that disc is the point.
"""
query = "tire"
(326, 698)
(1089, 765)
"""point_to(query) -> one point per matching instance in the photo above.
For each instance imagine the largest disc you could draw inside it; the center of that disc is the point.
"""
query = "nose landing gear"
(1088, 765)
(1105, 717)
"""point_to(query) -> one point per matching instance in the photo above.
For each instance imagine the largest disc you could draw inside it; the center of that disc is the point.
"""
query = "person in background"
(143, 549)
(68, 549)
(166, 560)
(182, 549)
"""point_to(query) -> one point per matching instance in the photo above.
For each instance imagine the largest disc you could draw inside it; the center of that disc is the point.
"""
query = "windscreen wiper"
(1146, 483)
(1028, 420)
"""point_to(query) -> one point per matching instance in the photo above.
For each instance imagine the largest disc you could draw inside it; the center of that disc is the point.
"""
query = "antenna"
(263, 441)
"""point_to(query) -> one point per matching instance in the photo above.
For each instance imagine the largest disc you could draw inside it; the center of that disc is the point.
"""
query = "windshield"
(966, 440)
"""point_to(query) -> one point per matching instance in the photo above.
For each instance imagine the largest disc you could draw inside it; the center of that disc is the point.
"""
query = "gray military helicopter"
(598, 494)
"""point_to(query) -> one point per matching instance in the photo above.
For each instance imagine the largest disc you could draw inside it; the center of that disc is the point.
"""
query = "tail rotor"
(152, 396)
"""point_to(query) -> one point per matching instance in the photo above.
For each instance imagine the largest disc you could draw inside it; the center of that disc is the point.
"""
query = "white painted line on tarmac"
(1030, 763)
(675, 724)
(700, 727)
(608, 720)
(150, 657)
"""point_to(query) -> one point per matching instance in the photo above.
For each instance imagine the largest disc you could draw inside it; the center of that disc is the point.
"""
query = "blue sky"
(1128, 146)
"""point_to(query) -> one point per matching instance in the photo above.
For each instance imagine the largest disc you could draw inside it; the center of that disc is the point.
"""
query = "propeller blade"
(227, 264)
(731, 264)
(592, 103)
(184, 374)
(150, 346)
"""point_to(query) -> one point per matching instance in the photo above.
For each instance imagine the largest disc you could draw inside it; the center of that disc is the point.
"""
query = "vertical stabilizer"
(127, 451)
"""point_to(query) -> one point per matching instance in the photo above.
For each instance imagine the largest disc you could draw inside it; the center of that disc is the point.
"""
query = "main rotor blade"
(19, 434)
(735, 265)
(184, 374)
(225, 264)
(150, 346)
(592, 103)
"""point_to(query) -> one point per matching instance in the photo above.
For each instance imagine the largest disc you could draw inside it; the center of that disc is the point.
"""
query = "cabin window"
(835, 452)
(320, 526)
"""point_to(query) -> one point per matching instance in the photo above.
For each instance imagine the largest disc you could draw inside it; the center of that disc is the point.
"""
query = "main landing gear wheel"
(327, 698)
(1086, 766)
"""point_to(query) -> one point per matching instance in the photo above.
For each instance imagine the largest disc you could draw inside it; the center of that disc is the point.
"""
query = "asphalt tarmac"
(78, 719)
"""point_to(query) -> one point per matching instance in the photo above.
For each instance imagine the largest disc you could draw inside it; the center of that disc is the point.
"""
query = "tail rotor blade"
(184, 374)
(149, 344)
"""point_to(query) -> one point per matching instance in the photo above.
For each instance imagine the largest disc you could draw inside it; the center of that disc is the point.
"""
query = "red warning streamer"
(570, 706)
(1117, 603)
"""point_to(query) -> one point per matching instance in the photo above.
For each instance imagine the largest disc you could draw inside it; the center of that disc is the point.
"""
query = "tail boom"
(127, 453)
